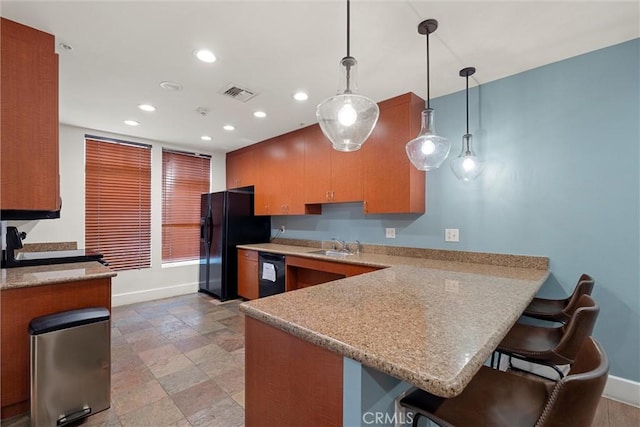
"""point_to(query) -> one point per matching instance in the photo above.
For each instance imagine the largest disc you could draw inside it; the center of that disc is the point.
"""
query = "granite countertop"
(429, 322)
(21, 277)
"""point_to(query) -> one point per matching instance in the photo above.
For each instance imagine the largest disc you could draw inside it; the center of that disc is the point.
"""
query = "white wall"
(128, 286)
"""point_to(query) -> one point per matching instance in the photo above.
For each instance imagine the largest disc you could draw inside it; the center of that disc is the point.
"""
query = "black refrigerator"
(227, 220)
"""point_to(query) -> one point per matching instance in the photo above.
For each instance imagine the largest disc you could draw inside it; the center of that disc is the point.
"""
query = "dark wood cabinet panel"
(29, 119)
(248, 278)
(391, 183)
(290, 381)
(241, 168)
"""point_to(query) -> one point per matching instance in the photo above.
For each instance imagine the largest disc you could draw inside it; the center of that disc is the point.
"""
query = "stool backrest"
(577, 329)
(584, 287)
(574, 399)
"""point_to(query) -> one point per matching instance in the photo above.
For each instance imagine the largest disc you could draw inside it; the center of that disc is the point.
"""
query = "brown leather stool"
(560, 310)
(496, 398)
(552, 346)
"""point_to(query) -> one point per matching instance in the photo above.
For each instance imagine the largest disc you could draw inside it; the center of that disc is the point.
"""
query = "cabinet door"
(267, 185)
(291, 166)
(346, 176)
(29, 119)
(330, 175)
(391, 183)
(240, 169)
(248, 286)
(317, 166)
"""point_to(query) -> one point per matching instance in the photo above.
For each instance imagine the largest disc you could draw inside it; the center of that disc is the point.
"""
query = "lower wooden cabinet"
(18, 307)
(248, 286)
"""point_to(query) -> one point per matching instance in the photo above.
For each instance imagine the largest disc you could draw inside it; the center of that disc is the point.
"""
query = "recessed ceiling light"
(228, 127)
(300, 96)
(205, 55)
(131, 123)
(205, 138)
(65, 46)
(147, 107)
(260, 114)
(174, 86)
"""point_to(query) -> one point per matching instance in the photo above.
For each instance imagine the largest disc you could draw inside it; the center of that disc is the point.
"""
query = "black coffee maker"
(14, 241)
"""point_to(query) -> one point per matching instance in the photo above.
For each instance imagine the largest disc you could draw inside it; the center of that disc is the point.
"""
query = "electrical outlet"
(282, 229)
(451, 235)
(390, 233)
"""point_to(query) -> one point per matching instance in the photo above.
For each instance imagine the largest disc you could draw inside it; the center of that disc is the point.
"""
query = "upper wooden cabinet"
(330, 176)
(295, 173)
(279, 189)
(391, 183)
(241, 168)
(29, 120)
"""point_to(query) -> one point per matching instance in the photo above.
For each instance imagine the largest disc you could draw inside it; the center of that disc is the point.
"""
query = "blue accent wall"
(562, 146)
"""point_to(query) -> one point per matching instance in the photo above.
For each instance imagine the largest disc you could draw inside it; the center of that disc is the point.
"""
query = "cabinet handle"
(327, 196)
(366, 209)
(333, 196)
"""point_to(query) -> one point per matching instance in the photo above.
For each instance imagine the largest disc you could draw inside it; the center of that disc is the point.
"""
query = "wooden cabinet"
(29, 119)
(280, 187)
(248, 278)
(295, 173)
(330, 176)
(391, 183)
(17, 307)
(241, 168)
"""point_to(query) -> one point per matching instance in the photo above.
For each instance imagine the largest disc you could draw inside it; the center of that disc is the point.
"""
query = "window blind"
(184, 178)
(118, 203)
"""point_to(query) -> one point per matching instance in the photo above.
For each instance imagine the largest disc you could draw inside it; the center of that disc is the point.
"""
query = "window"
(118, 202)
(185, 177)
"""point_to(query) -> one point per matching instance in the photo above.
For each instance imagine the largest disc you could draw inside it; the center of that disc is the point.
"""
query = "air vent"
(236, 92)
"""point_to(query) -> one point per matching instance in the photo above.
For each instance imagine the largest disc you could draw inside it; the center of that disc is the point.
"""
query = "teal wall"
(562, 180)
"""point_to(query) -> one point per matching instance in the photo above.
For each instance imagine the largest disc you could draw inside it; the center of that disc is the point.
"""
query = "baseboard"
(153, 294)
(623, 390)
(619, 389)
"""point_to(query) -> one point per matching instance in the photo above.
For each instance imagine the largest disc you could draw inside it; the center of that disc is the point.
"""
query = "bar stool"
(562, 309)
(498, 398)
(551, 346)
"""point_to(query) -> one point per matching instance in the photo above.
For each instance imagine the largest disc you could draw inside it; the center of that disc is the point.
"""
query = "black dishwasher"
(271, 271)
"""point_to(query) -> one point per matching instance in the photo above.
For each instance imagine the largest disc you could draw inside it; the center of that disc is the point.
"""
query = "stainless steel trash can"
(70, 366)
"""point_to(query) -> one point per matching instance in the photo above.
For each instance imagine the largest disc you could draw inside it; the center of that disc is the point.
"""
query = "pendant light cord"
(348, 28)
(467, 104)
(428, 94)
(348, 67)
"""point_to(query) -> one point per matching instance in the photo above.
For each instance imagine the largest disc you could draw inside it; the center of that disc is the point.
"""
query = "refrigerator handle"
(209, 227)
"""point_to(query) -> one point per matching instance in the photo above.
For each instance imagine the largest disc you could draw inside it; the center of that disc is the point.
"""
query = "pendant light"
(347, 118)
(427, 151)
(467, 166)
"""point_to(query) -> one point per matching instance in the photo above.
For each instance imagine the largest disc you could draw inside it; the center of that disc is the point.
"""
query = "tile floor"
(180, 362)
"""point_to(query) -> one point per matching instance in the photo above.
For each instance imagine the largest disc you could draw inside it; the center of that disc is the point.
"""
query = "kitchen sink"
(332, 253)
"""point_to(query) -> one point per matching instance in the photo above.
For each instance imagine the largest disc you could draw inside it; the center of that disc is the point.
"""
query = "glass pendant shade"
(427, 151)
(467, 166)
(347, 119)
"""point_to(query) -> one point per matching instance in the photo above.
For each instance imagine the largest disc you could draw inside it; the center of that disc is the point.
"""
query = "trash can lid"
(67, 319)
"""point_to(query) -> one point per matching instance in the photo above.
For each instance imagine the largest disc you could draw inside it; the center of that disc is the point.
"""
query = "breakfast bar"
(430, 326)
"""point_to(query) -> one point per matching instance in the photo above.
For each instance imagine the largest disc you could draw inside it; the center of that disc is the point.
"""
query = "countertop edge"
(59, 273)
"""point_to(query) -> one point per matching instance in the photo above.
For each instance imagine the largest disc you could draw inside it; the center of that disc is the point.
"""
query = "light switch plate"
(390, 233)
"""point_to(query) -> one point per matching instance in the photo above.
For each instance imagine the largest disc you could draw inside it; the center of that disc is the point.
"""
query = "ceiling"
(122, 50)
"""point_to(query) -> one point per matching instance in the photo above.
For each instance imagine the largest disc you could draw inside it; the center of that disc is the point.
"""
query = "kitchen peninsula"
(429, 323)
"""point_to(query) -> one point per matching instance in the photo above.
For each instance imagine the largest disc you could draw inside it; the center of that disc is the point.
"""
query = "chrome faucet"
(343, 244)
(358, 247)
